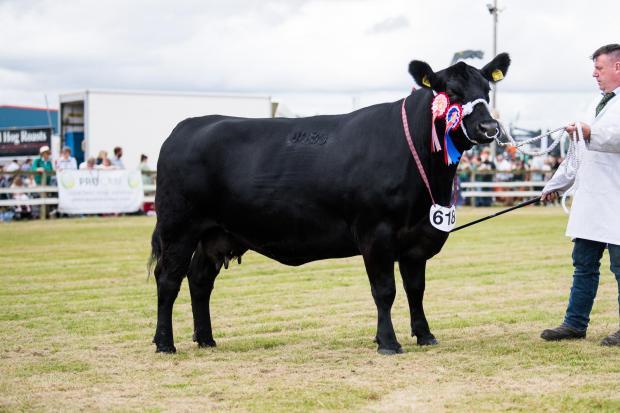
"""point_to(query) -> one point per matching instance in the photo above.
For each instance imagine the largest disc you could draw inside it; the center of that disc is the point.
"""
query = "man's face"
(606, 72)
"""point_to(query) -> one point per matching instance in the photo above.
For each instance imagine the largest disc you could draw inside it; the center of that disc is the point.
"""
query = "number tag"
(442, 218)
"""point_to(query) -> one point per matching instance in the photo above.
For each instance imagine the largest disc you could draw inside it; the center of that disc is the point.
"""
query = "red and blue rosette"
(454, 116)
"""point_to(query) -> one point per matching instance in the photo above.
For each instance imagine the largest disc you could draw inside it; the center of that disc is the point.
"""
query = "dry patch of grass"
(77, 315)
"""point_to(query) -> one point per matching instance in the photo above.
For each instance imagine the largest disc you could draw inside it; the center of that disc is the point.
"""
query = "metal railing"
(477, 184)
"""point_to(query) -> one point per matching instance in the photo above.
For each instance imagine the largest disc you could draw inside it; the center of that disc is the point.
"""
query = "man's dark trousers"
(587, 261)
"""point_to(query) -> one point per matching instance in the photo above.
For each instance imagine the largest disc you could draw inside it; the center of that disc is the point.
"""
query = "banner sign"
(24, 141)
(99, 191)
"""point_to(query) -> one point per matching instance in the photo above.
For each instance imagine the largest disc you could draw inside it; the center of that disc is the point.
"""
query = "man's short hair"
(610, 49)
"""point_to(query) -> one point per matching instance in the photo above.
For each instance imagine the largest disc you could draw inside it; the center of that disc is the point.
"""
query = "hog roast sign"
(23, 141)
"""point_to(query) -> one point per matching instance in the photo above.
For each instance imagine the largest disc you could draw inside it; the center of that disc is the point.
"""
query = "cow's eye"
(454, 97)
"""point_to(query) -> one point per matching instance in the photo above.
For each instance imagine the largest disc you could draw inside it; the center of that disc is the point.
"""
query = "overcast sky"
(294, 46)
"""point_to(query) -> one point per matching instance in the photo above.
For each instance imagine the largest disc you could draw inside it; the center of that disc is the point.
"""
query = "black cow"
(300, 190)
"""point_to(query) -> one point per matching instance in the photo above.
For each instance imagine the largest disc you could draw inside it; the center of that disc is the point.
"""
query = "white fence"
(48, 195)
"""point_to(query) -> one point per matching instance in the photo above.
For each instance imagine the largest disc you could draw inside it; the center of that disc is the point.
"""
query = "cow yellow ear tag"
(497, 75)
(426, 82)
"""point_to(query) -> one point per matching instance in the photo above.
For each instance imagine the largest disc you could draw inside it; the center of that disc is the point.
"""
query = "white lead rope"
(573, 155)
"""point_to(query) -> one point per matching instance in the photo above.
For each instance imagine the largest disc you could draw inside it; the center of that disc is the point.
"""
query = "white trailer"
(139, 122)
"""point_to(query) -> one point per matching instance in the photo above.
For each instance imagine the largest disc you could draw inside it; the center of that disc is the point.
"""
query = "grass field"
(77, 315)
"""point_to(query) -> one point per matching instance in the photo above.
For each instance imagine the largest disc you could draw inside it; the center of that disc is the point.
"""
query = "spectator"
(503, 164)
(102, 155)
(66, 161)
(116, 160)
(486, 165)
(4, 181)
(12, 167)
(88, 164)
(43, 164)
(520, 168)
(21, 211)
(464, 170)
(27, 165)
(145, 169)
(106, 164)
(537, 165)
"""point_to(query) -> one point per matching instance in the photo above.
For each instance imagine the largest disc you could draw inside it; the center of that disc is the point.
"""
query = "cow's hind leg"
(413, 273)
(201, 278)
(172, 265)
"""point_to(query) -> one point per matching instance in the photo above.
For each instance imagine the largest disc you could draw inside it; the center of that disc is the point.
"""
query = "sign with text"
(24, 141)
(99, 191)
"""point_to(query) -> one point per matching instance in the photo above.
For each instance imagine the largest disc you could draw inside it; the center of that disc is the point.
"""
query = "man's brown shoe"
(611, 340)
(562, 332)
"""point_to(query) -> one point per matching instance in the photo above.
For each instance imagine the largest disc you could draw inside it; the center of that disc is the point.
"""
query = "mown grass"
(77, 315)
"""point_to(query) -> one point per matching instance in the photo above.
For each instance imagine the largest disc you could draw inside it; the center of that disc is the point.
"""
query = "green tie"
(604, 101)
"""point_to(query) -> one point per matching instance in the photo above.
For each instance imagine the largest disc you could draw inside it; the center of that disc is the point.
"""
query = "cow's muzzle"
(489, 128)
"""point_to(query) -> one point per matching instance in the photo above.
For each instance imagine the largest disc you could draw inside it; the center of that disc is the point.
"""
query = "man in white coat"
(594, 223)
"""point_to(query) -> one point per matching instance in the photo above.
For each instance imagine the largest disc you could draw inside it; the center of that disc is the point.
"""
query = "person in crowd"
(593, 224)
(106, 164)
(504, 164)
(43, 164)
(101, 156)
(4, 181)
(486, 165)
(116, 160)
(88, 164)
(538, 167)
(27, 165)
(144, 167)
(66, 161)
(520, 170)
(21, 211)
(12, 166)
(464, 170)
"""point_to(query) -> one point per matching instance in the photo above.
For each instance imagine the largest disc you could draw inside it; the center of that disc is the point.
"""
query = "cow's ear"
(497, 68)
(423, 74)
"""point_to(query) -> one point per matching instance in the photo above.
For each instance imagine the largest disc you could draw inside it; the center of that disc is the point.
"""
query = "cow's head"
(465, 84)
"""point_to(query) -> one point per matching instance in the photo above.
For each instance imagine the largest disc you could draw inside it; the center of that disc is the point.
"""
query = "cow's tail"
(155, 251)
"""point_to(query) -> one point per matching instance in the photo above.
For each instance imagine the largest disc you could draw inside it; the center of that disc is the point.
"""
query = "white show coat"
(595, 212)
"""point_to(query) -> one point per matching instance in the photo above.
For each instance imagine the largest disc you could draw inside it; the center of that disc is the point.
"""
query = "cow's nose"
(489, 127)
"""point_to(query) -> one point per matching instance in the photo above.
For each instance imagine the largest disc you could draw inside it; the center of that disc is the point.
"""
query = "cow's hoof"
(206, 343)
(390, 351)
(165, 348)
(427, 341)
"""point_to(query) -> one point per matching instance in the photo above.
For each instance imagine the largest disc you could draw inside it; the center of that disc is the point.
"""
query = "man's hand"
(572, 129)
(549, 196)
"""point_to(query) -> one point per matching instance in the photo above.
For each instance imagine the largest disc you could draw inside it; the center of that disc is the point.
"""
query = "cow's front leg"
(413, 273)
(380, 269)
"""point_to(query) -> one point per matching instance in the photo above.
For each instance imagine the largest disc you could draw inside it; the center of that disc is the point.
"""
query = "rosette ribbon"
(438, 109)
(454, 115)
